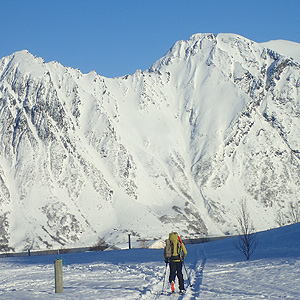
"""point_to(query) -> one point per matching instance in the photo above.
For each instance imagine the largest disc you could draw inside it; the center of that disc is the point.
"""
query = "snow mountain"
(176, 147)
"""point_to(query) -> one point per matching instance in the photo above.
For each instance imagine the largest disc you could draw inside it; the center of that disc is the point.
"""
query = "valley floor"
(216, 270)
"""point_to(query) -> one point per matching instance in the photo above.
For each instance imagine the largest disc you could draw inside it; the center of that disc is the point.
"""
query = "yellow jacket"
(179, 251)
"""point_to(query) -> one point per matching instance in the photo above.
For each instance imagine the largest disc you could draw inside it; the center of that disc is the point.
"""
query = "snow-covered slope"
(176, 147)
(287, 48)
(213, 270)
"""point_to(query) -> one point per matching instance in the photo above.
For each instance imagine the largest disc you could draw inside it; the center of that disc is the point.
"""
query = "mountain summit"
(176, 147)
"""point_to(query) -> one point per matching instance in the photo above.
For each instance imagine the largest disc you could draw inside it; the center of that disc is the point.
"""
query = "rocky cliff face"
(177, 147)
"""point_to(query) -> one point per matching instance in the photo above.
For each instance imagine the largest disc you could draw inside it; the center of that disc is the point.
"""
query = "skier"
(174, 253)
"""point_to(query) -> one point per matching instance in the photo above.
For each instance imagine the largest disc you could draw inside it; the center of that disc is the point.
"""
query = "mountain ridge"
(175, 147)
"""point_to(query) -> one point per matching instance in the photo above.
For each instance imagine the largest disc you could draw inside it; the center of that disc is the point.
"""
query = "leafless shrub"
(291, 216)
(99, 246)
(294, 212)
(247, 241)
(280, 219)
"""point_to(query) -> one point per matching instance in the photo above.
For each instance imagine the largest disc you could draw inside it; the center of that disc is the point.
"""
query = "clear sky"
(117, 37)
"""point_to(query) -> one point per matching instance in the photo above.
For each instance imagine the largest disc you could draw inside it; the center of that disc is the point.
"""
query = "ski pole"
(165, 275)
(186, 274)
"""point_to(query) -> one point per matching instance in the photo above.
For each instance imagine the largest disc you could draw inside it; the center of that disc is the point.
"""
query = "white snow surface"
(287, 48)
(215, 270)
(176, 147)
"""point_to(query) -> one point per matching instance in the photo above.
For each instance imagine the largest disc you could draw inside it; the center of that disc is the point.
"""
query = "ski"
(170, 293)
(175, 293)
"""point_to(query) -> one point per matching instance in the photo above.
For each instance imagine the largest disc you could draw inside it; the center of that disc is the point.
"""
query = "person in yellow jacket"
(174, 255)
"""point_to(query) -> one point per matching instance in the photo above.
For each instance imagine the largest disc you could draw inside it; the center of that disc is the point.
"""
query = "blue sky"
(117, 37)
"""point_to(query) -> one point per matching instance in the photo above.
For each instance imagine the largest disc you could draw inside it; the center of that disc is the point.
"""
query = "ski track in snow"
(216, 270)
(23, 279)
(29, 278)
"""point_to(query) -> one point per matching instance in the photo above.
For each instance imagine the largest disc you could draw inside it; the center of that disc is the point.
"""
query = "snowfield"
(288, 48)
(216, 270)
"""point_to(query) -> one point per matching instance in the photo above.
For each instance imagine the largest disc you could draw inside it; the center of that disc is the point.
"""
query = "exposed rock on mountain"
(176, 147)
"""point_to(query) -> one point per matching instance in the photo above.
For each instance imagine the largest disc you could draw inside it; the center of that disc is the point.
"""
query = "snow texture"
(176, 147)
(215, 270)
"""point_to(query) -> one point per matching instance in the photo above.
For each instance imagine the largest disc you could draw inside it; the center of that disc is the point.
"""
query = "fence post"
(58, 275)
(129, 243)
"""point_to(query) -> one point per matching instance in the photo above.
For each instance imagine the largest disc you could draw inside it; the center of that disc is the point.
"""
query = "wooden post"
(129, 243)
(58, 276)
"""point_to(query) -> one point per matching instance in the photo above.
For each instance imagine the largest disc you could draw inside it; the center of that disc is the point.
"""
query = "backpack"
(169, 249)
(173, 245)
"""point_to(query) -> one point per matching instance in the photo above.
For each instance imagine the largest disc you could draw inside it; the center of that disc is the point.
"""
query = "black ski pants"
(176, 269)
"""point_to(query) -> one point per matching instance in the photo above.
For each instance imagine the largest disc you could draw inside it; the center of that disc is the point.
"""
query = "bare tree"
(292, 215)
(100, 245)
(247, 241)
(280, 219)
(294, 212)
